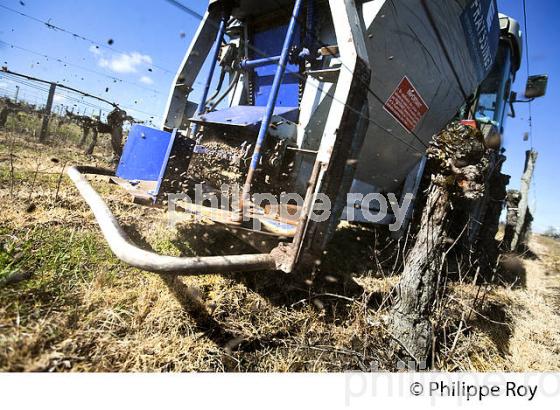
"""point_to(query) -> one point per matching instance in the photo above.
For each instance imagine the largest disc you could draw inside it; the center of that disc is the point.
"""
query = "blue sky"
(149, 39)
(146, 35)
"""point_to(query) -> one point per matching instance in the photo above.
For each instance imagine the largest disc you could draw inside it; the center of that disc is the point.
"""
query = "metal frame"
(213, 63)
(411, 186)
(189, 69)
(271, 104)
(343, 135)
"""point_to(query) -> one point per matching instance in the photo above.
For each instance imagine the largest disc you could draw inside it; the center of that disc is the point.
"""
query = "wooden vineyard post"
(526, 178)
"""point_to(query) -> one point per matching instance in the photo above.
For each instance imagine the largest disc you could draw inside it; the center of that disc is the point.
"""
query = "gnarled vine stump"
(457, 161)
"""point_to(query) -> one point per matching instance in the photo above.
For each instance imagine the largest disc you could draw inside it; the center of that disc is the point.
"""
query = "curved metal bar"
(128, 252)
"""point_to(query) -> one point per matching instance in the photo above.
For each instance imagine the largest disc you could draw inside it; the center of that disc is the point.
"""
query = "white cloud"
(146, 80)
(3, 84)
(125, 63)
(59, 98)
(95, 50)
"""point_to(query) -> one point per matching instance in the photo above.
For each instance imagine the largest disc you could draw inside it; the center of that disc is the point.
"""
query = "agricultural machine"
(327, 100)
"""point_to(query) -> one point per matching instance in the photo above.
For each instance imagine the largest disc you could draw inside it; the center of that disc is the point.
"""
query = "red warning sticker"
(406, 105)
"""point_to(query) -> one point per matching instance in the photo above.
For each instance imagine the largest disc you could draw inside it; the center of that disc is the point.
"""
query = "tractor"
(322, 112)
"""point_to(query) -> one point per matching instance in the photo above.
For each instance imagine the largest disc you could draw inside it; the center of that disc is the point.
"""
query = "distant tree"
(552, 232)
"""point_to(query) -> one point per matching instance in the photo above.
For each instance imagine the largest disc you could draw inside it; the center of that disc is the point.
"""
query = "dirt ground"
(66, 304)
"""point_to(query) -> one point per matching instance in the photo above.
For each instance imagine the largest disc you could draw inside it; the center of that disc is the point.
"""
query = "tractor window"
(492, 93)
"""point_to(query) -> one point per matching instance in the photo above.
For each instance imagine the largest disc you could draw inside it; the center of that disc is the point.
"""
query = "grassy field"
(66, 304)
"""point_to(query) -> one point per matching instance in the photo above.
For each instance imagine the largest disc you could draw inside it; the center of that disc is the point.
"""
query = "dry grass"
(76, 308)
(517, 327)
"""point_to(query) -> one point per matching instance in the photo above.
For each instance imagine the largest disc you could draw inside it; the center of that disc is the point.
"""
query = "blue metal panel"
(144, 154)
(176, 164)
(482, 28)
(270, 42)
(244, 116)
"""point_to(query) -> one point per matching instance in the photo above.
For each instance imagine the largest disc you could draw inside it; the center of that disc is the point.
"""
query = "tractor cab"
(494, 96)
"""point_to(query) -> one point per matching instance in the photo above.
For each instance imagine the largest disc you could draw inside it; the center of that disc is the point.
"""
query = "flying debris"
(255, 140)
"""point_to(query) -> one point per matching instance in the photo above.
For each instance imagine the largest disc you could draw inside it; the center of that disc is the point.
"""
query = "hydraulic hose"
(218, 87)
(231, 86)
